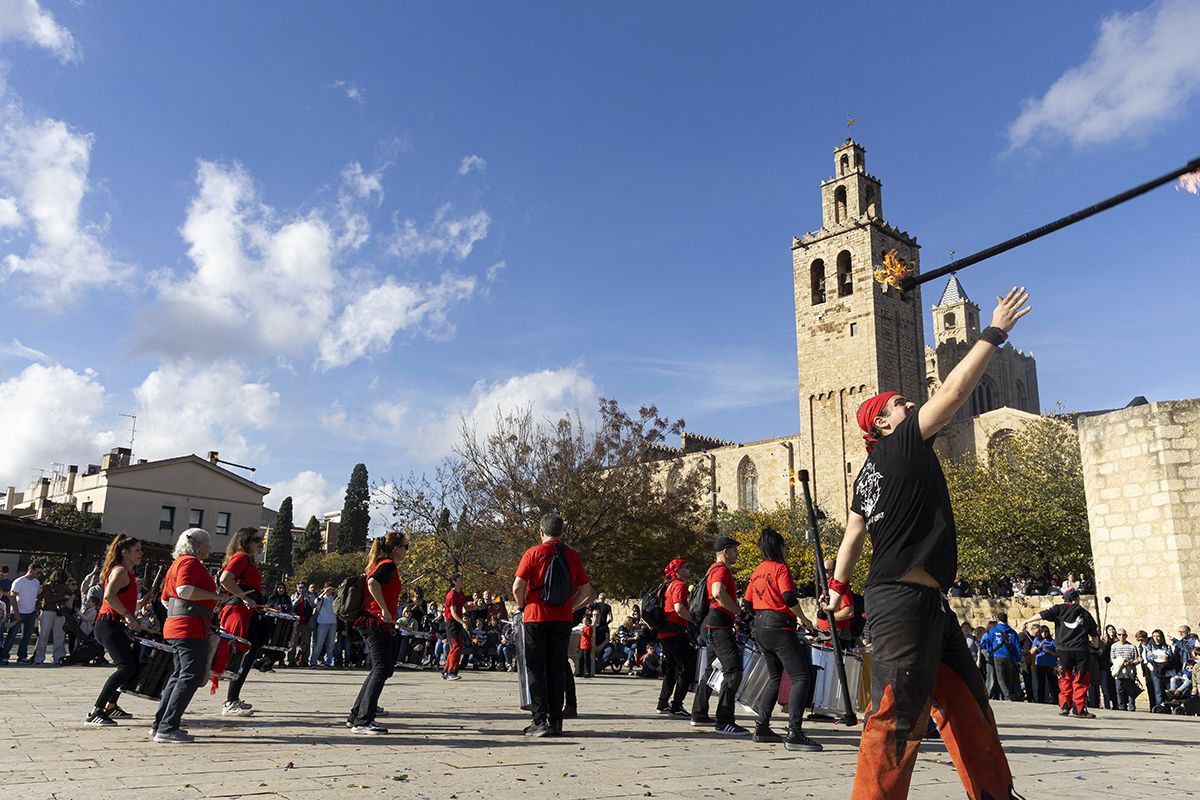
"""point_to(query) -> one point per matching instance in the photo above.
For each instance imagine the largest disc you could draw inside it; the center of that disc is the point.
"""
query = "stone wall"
(1141, 474)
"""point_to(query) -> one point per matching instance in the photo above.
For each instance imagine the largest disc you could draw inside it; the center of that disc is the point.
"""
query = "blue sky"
(311, 234)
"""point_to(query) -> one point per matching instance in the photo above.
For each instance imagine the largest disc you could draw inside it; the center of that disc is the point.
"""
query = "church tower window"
(845, 274)
(845, 164)
(982, 399)
(839, 204)
(817, 279)
(948, 320)
(747, 485)
(871, 208)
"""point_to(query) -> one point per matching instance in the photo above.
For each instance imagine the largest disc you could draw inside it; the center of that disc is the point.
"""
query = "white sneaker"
(174, 737)
(234, 709)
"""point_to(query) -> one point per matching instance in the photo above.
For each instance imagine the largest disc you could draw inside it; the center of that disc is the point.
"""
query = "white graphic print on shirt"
(870, 482)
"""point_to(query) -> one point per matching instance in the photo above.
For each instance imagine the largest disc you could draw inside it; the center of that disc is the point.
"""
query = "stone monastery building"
(855, 338)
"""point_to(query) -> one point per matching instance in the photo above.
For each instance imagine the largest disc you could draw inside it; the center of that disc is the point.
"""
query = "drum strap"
(178, 607)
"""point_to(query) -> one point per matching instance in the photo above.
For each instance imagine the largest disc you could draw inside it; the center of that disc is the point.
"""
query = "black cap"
(1070, 596)
(724, 542)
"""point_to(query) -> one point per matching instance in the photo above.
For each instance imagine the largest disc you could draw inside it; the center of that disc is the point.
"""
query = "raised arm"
(962, 380)
(848, 555)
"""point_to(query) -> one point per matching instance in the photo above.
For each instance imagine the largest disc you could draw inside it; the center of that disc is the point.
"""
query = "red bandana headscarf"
(867, 413)
(672, 570)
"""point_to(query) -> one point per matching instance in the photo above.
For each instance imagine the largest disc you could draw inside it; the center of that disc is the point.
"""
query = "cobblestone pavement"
(462, 741)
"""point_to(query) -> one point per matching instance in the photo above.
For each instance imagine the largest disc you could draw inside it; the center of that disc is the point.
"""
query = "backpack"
(698, 602)
(557, 589)
(348, 601)
(653, 614)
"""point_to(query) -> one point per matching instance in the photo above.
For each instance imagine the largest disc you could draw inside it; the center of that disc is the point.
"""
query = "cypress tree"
(279, 542)
(356, 513)
(310, 541)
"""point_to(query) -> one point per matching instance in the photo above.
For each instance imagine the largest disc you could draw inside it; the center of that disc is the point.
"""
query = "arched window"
(1022, 397)
(747, 485)
(871, 211)
(845, 164)
(816, 276)
(998, 441)
(948, 320)
(674, 476)
(839, 204)
(845, 275)
(982, 398)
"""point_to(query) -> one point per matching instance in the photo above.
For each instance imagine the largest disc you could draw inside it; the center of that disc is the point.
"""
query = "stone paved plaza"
(462, 741)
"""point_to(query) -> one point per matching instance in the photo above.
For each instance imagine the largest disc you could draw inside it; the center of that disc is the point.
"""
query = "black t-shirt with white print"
(1072, 626)
(902, 494)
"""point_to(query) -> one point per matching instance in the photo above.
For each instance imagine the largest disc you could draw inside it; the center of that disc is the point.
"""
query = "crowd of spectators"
(1030, 584)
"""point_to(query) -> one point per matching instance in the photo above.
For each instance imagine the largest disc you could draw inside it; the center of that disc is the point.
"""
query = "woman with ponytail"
(377, 624)
(240, 577)
(116, 613)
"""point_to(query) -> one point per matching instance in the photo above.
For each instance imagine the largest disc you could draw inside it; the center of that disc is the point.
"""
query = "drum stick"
(849, 718)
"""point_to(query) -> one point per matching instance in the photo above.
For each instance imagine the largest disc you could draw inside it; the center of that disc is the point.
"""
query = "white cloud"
(351, 91)
(471, 164)
(494, 270)
(27, 21)
(311, 493)
(446, 236)
(551, 393)
(1143, 69)
(368, 325)
(18, 350)
(44, 167)
(51, 414)
(183, 407)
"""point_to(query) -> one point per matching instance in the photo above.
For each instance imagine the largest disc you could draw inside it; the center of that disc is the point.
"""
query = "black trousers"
(569, 698)
(381, 646)
(587, 664)
(123, 652)
(546, 660)
(258, 631)
(727, 657)
(1007, 679)
(781, 651)
(678, 670)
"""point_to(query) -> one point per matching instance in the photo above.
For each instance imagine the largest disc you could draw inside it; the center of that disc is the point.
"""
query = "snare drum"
(237, 650)
(281, 629)
(156, 662)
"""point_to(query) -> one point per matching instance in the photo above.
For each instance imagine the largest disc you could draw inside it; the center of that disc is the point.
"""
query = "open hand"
(1011, 308)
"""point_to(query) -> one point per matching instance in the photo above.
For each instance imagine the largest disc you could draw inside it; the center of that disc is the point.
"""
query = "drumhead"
(270, 612)
(233, 638)
(154, 644)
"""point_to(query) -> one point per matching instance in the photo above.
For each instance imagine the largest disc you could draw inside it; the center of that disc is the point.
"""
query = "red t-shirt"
(245, 571)
(842, 624)
(389, 578)
(676, 593)
(585, 638)
(456, 600)
(187, 571)
(127, 596)
(771, 579)
(533, 567)
(719, 573)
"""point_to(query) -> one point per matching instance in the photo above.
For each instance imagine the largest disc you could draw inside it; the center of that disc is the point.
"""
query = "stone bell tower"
(854, 336)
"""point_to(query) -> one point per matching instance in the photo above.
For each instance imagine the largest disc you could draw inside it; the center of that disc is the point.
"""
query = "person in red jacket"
(117, 612)
(721, 634)
(679, 657)
(241, 578)
(454, 623)
(376, 623)
(547, 628)
(587, 662)
(190, 595)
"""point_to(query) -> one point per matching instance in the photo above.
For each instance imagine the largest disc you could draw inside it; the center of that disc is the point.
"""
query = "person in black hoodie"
(1074, 630)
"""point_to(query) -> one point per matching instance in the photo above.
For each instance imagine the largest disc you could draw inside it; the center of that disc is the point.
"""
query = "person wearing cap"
(719, 631)
(1074, 630)
(919, 655)
(679, 657)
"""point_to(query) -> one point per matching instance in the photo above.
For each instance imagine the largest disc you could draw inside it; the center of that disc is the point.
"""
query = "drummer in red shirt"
(842, 617)
(190, 595)
(241, 578)
(547, 628)
(377, 624)
(679, 657)
(772, 592)
(116, 613)
(719, 629)
(454, 623)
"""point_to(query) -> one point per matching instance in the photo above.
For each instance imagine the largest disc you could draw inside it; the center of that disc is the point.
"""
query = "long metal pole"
(910, 281)
(849, 717)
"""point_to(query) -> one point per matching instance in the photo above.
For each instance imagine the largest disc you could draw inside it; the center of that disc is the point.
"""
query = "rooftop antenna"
(132, 428)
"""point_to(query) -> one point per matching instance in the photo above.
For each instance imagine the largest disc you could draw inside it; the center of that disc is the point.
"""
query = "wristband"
(994, 336)
(841, 587)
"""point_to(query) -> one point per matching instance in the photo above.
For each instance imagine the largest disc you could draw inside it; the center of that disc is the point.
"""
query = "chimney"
(72, 474)
(10, 499)
(117, 457)
(141, 461)
(212, 456)
(92, 469)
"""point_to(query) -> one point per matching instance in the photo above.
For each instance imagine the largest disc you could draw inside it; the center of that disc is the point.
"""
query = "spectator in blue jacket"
(1045, 659)
(1001, 643)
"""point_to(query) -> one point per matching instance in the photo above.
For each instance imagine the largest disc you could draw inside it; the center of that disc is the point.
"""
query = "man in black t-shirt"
(919, 654)
(1074, 630)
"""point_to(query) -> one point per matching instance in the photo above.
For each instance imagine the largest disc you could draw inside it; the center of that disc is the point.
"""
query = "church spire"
(954, 293)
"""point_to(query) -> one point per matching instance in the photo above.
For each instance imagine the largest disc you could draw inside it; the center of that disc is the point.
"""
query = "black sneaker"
(732, 729)
(1066, 712)
(798, 741)
(681, 713)
(1085, 714)
(664, 709)
(570, 712)
(99, 720)
(117, 712)
(766, 736)
(555, 727)
(703, 722)
(538, 729)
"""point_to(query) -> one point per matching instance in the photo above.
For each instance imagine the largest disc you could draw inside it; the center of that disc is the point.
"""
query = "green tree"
(310, 541)
(792, 524)
(67, 516)
(279, 541)
(356, 512)
(1023, 508)
(321, 568)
